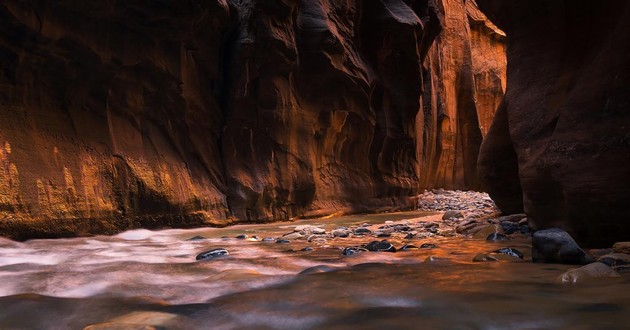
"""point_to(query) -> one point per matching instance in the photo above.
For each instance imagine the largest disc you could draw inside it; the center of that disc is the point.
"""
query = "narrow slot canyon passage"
(314, 164)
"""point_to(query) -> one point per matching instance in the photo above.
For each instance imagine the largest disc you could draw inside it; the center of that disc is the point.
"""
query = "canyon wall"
(127, 114)
(560, 144)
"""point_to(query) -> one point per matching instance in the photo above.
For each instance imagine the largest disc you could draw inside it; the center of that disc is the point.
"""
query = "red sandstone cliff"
(560, 146)
(116, 115)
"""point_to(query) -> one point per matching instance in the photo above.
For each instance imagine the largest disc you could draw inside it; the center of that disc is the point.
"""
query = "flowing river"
(145, 279)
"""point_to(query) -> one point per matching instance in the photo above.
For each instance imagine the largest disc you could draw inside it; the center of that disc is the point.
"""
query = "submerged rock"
(380, 246)
(212, 254)
(318, 269)
(282, 241)
(511, 252)
(557, 246)
(428, 246)
(408, 247)
(241, 236)
(196, 238)
(590, 271)
(494, 256)
(353, 250)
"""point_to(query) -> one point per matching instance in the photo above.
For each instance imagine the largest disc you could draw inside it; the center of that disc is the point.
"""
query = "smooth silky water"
(151, 278)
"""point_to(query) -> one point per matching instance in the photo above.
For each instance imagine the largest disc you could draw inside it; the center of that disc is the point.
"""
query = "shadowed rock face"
(124, 114)
(567, 113)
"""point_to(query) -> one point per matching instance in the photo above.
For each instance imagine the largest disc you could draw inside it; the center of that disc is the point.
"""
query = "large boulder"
(563, 133)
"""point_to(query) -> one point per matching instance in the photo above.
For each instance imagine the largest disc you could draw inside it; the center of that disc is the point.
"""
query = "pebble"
(622, 247)
(212, 254)
(196, 238)
(590, 271)
(307, 249)
(615, 259)
(309, 229)
(292, 236)
(282, 241)
(428, 246)
(268, 239)
(410, 236)
(242, 236)
(557, 246)
(452, 215)
(383, 234)
(353, 250)
(362, 231)
(341, 232)
(380, 246)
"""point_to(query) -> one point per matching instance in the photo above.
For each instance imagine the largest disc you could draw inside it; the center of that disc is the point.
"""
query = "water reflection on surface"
(152, 278)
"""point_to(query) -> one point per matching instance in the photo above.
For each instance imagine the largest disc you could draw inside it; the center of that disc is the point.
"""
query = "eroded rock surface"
(564, 135)
(128, 114)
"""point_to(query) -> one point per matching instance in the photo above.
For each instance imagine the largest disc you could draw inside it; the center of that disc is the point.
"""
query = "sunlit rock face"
(122, 114)
(464, 84)
(567, 118)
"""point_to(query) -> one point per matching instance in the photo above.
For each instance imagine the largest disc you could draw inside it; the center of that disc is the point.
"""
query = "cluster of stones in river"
(467, 214)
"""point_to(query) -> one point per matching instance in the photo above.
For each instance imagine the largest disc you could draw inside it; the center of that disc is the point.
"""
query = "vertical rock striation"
(123, 114)
(565, 134)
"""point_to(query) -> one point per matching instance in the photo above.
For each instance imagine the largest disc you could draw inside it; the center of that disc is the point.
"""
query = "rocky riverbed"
(367, 271)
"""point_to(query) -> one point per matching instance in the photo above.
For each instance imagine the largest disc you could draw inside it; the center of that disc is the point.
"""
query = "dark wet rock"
(452, 215)
(353, 250)
(590, 271)
(362, 231)
(615, 259)
(408, 247)
(557, 246)
(212, 254)
(495, 237)
(401, 228)
(511, 252)
(318, 269)
(524, 229)
(307, 249)
(510, 227)
(428, 246)
(622, 247)
(317, 239)
(241, 236)
(410, 236)
(382, 234)
(282, 241)
(196, 238)
(380, 246)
